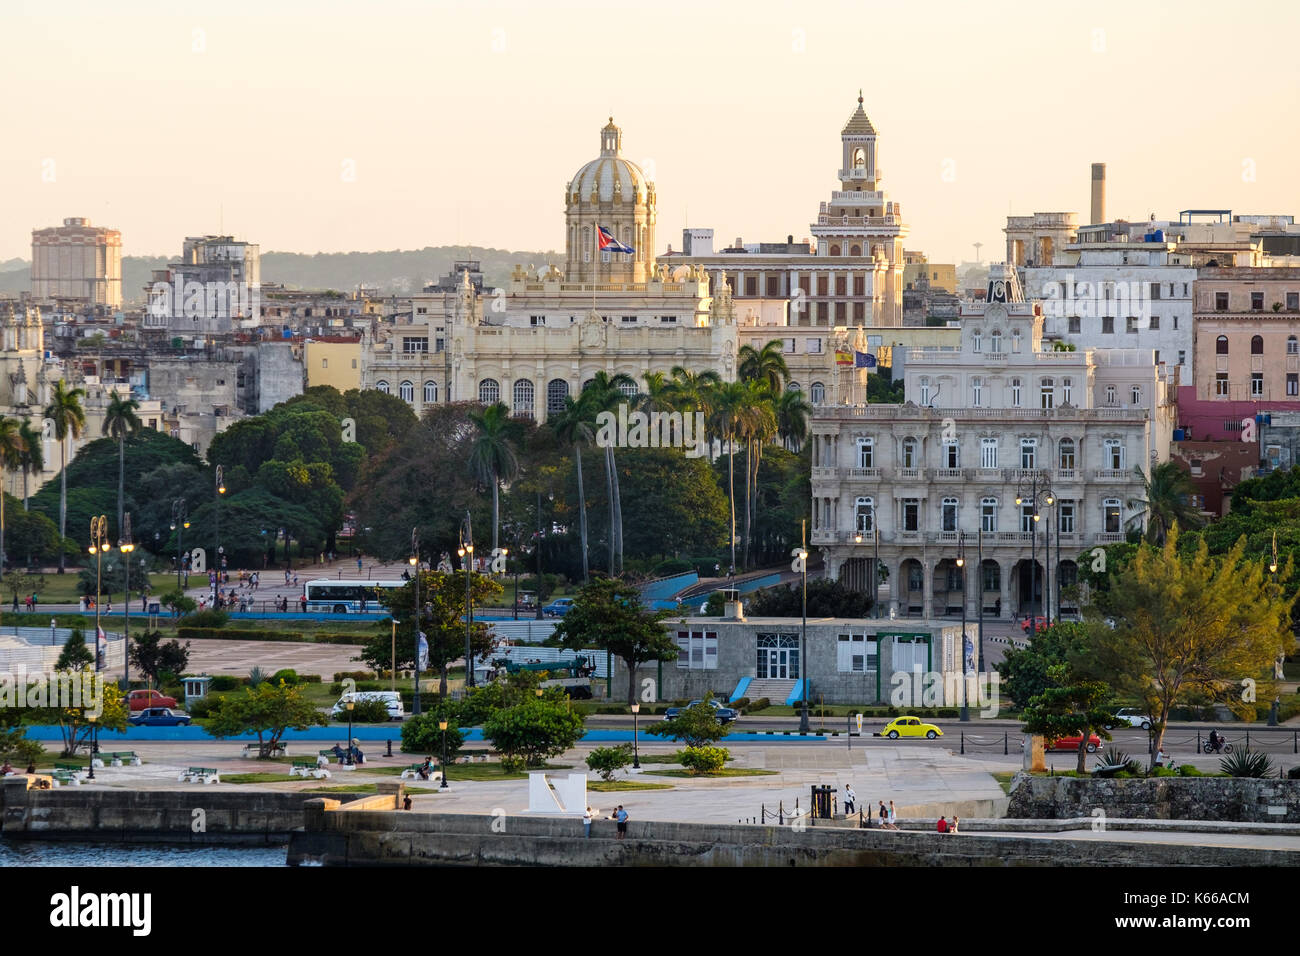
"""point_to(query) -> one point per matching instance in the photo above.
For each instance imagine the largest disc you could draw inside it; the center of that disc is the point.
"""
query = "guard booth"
(196, 688)
(823, 805)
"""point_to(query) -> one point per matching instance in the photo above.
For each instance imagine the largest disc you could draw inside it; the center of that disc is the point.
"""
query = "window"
(627, 319)
(1074, 325)
(1131, 324)
(430, 393)
(1220, 384)
(995, 341)
(406, 391)
(1111, 515)
(536, 320)
(817, 394)
(778, 656)
(1182, 357)
(1221, 345)
(952, 454)
(1257, 302)
(988, 453)
(557, 390)
(1047, 393)
(1155, 289)
(1110, 394)
(911, 514)
(1066, 458)
(381, 386)
(925, 391)
(697, 650)
(1256, 384)
(865, 511)
(524, 392)
(866, 453)
(1135, 396)
(852, 653)
(813, 346)
(668, 319)
(1067, 390)
(1015, 393)
(1028, 452)
(1108, 325)
(1026, 518)
(988, 514)
(1221, 302)
(1292, 345)
(324, 363)
(1114, 454)
(1292, 384)
(629, 390)
(992, 575)
(489, 392)
(1065, 517)
(354, 363)
(410, 345)
(977, 392)
(977, 341)
(948, 514)
(909, 453)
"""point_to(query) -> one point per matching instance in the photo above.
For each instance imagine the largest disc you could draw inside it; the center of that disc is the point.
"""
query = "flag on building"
(423, 661)
(843, 357)
(863, 360)
(608, 243)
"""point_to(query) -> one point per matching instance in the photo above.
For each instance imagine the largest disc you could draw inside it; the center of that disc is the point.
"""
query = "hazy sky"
(462, 122)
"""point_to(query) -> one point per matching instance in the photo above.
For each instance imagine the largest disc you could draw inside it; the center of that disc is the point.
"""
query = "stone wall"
(1267, 800)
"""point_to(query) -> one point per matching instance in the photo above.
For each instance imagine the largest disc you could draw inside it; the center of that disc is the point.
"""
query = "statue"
(444, 563)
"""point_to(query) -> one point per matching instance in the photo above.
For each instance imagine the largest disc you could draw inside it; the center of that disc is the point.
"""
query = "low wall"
(1244, 799)
(210, 815)
(397, 838)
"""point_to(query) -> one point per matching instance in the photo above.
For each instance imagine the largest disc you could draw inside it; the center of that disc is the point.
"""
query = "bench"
(472, 756)
(118, 757)
(65, 777)
(308, 768)
(200, 775)
(72, 769)
(255, 750)
(413, 772)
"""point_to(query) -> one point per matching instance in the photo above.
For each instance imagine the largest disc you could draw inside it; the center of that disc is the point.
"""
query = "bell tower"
(858, 168)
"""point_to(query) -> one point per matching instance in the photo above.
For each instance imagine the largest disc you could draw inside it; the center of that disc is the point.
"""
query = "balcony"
(867, 473)
(908, 474)
(950, 474)
(1112, 474)
(1067, 474)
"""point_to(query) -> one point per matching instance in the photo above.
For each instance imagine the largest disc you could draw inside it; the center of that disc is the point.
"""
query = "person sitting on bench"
(426, 768)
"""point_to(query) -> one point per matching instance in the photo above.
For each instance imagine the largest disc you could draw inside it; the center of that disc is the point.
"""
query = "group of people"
(29, 602)
(354, 750)
(8, 769)
(619, 816)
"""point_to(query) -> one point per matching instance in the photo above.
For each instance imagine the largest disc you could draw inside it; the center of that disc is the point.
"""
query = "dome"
(609, 174)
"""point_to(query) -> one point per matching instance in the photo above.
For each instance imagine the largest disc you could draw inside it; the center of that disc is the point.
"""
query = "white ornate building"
(997, 419)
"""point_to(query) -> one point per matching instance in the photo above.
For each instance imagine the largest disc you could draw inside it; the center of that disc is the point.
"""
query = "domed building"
(613, 192)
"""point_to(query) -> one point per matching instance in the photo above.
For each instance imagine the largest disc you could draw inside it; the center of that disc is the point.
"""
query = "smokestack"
(1098, 193)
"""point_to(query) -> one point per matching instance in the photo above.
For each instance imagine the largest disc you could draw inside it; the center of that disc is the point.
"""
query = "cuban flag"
(608, 243)
(863, 360)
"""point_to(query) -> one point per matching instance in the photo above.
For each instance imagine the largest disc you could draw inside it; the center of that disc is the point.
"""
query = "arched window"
(586, 383)
(835, 250)
(1221, 345)
(1047, 393)
(977, 340)
(1292, 345)
(909, 453)
(1067, 390)
(381, 386)
(430, 393)
(866, 515)
(1015, 340)
(866, 453)
(1111, 515)
(1135, 395)
(557, 390)
(948, 514)
(1066, 459)
(1029, 453)
(406, 392)
(925, 391)
(1110, 394)
(489, 391)
(792, 387)
(988, 514)
(817, 393)
(1257, 345)
(855, 250)
(524, 398)
(859, 158)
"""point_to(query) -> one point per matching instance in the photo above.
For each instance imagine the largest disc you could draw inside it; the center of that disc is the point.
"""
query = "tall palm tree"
(575, 426)
(605, 393)
(69, 420)
(658, 396)
(1166, 500)
(693, 392)
(792, 416)
(11, 444)
(758, 426)
(119, 421)
(765, 366)
(492, 458)
(730, 402)
(32, 460)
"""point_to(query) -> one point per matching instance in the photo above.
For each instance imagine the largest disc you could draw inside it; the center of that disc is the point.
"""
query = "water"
(59, 853)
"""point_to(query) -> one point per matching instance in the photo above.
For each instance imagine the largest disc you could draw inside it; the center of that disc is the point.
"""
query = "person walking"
(893, 817)
(884, 816)
(587, 816)
(850, 800)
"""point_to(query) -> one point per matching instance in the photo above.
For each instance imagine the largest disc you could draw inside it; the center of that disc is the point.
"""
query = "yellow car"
(909, 727)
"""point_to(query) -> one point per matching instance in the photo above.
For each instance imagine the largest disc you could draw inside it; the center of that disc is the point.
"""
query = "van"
(391, 699)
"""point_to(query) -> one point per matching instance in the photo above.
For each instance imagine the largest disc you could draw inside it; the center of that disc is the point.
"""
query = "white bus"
(346, 597)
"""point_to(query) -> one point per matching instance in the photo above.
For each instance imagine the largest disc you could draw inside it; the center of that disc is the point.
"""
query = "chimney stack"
(1098, 193)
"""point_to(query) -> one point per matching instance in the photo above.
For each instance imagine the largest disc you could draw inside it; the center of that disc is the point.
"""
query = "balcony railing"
(992, 539)
(1112, 474)
(899, 413)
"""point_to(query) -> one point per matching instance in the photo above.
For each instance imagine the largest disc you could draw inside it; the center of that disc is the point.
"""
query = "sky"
(319, 126)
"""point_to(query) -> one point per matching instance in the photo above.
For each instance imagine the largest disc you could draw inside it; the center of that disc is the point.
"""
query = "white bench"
(308, 768)
(200, 775)
(413, 773)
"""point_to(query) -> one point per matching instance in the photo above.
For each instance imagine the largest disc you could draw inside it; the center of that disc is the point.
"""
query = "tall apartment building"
(78, 261)
(213, 289)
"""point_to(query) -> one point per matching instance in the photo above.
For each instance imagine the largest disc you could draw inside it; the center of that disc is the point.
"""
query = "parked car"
(143, 699)
(1033, 625)
(909, 727)
(725, 715)
(159, 717)
(390, 699)
(558, 608)
(1132, 717)
(1072, 743)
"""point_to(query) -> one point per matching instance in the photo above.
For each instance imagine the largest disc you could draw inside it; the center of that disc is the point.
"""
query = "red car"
(1072, 743)
(144, 699)
(1034, 625)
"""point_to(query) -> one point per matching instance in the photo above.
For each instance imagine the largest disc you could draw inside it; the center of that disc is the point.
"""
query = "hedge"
(235, 634)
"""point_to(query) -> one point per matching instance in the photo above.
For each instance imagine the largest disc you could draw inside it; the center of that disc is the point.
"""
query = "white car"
(1132, 717)
(390, 699)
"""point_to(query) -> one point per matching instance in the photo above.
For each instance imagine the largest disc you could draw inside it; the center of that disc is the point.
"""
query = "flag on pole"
(423, 663)
(843, 357)
(608, 243)
(863, 360)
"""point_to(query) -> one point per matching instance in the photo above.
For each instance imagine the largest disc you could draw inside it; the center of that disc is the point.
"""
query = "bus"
(331, 596)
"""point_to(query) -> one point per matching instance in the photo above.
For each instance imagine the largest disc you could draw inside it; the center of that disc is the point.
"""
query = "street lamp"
(442, 725)
(466, 552)
(98, 546)
(961, 566)
(1281, 658)
(392, 674)
(94, 744)
(802, 555)
(180, 521)
(126, 546)
(636, 753)
(415, 563)
(350, 705)
(221, 490)
(1032, 493)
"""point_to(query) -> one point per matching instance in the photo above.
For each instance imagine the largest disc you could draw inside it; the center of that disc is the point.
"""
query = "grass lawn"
(724, 772)
(62, 588)
(664, 758)
(258, 778)
(607, 786)
(492, 771)
(1004, 780)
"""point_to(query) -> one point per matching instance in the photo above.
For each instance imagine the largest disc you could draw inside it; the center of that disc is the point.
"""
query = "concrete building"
(999, 419)
(1216, 467)
(199, 395)
(78, 261)
(270, 372)
(334, 361)
(1034, 240)
(213, 289)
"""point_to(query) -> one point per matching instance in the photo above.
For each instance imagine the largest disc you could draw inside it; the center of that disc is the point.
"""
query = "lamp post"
(1033, 493)
(180, 521)
(636, 751)
(98, 546)
(94, 744)
(961, 566)
(466, 552)
(979, 577)
(221, 490)
(802, 555)
(442, 725)
(126, 546)
(1278, 665)
(392, 674)
(350, 705)
(551, 497)
(415, 563)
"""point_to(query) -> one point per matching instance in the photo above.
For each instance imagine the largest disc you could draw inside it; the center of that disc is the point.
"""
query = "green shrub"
(672, 566)
(207, 618)
(1187, 770)
(287, 674)
(607, 761)
(1164, 772)
(340, 676)
(203, 707)
(1246, 763)
(761, 704)
(740, 704)
(367, 712)
(256, 676)
(701, 760)
(951, 712)
(528, 733)
(420, 735)
(17, 749)
(226, 682)
(1293, 773)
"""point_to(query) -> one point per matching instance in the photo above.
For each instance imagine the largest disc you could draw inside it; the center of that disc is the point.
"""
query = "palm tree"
(119, 421)
(792, 415)
(605, 393)
(730, 403)
(575, 426)
(69, 420)
(32, 460)
(758, 426)
(11, 444)
(765, 366)
(1166, 500)
(493, 459)
(693, 392)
